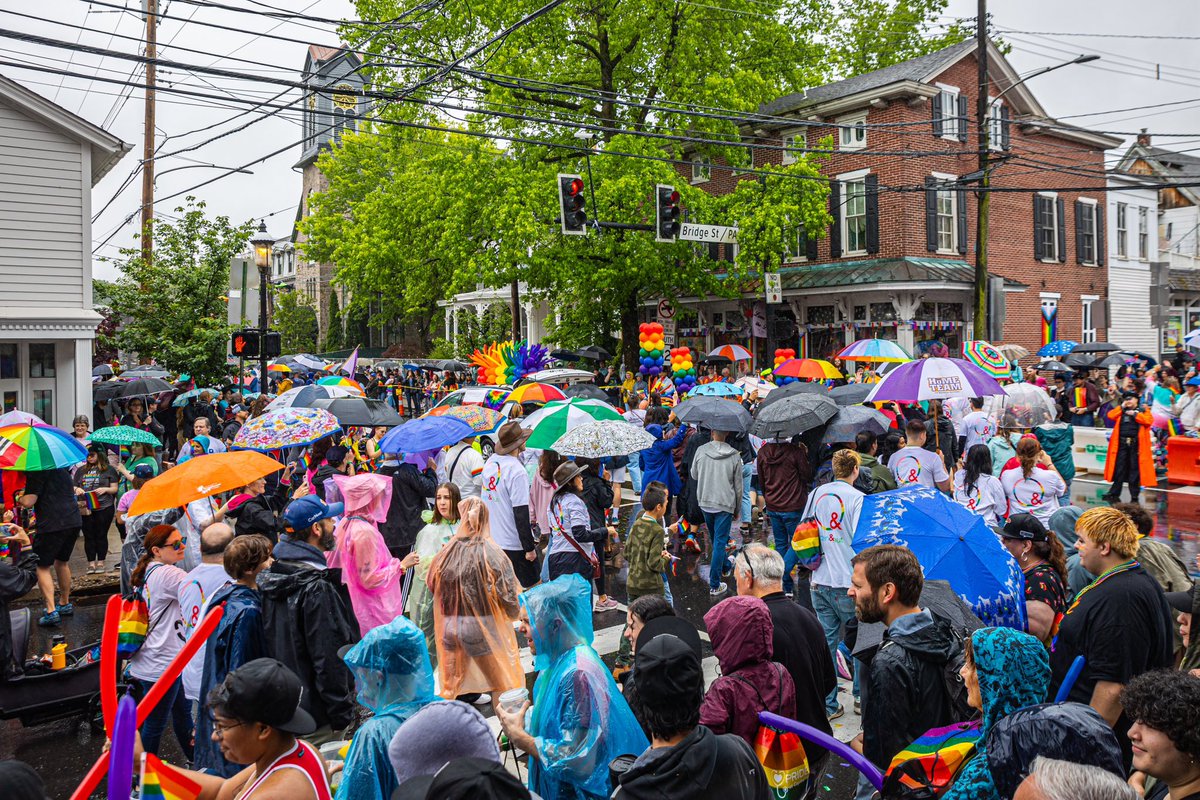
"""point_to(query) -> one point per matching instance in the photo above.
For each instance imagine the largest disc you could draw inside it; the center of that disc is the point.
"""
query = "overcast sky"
(1131, 73)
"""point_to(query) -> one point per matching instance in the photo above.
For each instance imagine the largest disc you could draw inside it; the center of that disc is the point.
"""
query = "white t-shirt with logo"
(978, 428)
(986, 498)
(836, 506)
(505, 486)
(917, 465)
(202, 583)
(1038, 494)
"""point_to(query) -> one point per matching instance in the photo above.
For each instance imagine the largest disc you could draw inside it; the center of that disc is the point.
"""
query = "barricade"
(1183, 460)
(1090, 450)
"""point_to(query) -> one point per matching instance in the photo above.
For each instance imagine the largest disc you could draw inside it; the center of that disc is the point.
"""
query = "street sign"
(774, 286)
(722, 234)
(668, 333)
(665, 310)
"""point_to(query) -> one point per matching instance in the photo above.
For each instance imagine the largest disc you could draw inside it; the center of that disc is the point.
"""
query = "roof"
(1168, 166)
(106, 149)
(1184, 280)
(880, 270)
(320, 53)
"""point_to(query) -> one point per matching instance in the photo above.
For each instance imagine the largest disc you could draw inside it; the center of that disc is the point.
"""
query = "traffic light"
(666, 213)
(244, 344)
(272, 345)
(571, 203)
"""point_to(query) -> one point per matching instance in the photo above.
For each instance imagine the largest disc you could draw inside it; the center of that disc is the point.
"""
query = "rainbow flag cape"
(161, 781)
(806, 541)
(935, 758)
(91, 500)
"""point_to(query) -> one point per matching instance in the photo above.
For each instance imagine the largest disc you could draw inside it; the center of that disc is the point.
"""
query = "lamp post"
(262, 244)
(983, 206)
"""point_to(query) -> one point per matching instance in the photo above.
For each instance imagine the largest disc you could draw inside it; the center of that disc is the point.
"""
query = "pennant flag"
(161, 781)
(351, 365)
(91, 500)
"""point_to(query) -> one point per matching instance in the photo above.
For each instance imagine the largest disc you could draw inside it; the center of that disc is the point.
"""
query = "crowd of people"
(372, 599)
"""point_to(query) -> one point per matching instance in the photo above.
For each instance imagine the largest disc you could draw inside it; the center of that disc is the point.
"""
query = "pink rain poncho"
(369, 571)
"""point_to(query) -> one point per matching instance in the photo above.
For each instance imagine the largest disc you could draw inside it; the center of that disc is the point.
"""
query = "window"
(1122, 230)
(948, 103)
(41, 361)
(1085, 228)
(1088, 334)
(795, 244)
(852, 132)
(43, 404)
(793, 144)
(946, 221)
(701, 169)
(1047, 227)
(8, 360)
(996, 125)
(854, 216)
(1143, 234)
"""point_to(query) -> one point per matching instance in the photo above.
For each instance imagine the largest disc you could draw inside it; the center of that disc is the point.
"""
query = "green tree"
(295, 317)
(335, 334)
(173, 308)
(873, 34)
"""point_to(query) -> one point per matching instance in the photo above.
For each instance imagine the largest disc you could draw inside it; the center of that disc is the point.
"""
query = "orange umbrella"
(535, 393)
(203, 476)
(813, 369)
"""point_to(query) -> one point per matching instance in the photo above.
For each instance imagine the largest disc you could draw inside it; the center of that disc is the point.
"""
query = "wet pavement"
(62, 751)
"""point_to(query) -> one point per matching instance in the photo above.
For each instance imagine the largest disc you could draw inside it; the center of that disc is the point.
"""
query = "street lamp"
(262, 244)
(982, 207)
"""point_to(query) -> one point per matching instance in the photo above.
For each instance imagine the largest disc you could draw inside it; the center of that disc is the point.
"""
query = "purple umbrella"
(934, 379)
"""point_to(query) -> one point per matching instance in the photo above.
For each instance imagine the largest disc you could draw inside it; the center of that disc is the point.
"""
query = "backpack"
(956, 688)
(929, 766)
(133, 621)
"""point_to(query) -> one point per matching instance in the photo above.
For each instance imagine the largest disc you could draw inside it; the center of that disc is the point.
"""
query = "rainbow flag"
(935, 758)
(91, 500)
(806, 541)
(1081, 397)
(1173, 427)
(1049, 324)
(159, 780)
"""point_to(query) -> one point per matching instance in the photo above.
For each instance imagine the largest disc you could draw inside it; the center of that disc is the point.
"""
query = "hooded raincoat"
(474, 605)
(657, 462)
(742, 637)
(580, 721)
(369, 571)
(1013, 671)
(419, 603)
(395, 680)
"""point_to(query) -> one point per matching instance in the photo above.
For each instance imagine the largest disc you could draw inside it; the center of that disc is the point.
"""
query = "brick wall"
(314, 181)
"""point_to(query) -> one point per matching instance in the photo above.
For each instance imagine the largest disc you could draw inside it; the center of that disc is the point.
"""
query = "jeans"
(718, 524)
(747, 473)
(1084, 420)
(173, 708)
(635, 473)
(834, 609)
(783, 524)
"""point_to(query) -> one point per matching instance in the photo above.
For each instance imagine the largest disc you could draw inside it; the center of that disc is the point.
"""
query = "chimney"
(1143, 138)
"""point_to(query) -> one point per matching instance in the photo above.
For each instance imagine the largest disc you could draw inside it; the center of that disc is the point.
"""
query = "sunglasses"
(179, 545)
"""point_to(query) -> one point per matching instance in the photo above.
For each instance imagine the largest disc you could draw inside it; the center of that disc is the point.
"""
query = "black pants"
(1126, 471)
(95, 533)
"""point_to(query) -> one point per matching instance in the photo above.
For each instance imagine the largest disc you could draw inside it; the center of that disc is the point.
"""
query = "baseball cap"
(143, 471)
(1125, 395)
(1183, 602)
(1026, 527)
(336, 454)
(266, 691)
(308, 510)
(465, 779)
(668, 671)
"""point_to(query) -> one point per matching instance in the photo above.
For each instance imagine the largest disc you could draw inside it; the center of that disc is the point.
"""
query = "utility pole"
(984, 201)
(148, 133)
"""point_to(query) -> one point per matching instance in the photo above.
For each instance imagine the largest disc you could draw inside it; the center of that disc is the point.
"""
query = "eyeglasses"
(219, 729)
(741, 551)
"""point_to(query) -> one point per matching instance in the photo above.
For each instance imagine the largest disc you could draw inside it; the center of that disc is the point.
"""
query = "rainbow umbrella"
(35, 448)
(813, 369)
(286, 427)
(345, 383)
(734, 352)
(535, 393)
(881, 350)
(481, 418)
(278, 368)
(985, 356)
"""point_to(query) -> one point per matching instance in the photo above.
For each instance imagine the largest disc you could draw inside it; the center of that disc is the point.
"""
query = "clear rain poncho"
(474, 607)
(394, 681)
(419, 603)
(580, 721)
(369, 571)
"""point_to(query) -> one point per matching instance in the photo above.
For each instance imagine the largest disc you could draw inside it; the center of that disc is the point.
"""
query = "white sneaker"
(484, 699)
(720, 590)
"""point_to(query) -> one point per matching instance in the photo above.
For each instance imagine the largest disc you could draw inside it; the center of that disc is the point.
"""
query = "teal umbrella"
(124, 435)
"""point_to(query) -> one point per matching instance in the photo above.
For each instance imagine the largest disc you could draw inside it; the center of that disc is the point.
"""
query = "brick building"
(898, 260)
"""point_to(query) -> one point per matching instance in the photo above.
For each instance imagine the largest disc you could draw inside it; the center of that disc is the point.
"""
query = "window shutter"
(1038, 252)
(931, 242)
(1080, 230)
(961, 209)
(938, 128)
(1005, 124)
(872, 187)
(810, 247)
(962, 118)
(1100, 221)
(1062, 230)
(835, 227)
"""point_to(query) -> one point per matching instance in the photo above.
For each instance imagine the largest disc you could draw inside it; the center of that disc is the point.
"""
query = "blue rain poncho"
(580, 721)
(394, 680)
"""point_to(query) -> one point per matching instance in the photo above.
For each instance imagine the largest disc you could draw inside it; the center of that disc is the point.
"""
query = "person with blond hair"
(1120, 622)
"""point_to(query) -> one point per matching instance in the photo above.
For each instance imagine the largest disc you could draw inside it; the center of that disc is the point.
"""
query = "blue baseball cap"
(1193, 381)
(308, 510)
(143, 471)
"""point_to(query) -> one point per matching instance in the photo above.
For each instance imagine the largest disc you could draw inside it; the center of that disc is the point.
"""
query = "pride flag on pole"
(161, 781)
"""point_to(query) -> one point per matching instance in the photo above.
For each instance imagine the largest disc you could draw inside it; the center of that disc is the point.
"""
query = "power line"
(1107, 35)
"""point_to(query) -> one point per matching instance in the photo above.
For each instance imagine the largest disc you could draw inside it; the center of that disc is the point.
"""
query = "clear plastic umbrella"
(1023, 405)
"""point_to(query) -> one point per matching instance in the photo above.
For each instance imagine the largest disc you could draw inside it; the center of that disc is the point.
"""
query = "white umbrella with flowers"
(551, 421)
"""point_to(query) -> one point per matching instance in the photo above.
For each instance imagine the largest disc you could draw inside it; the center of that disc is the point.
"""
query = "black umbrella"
(450, 365)
(793, 415)
(586, 391)
(1053, 366)
(594, 352)
(1111, 360)
(851, 394)
(142, 387)
(714, 413)
(1149, 359)
(565, 355)
(360, 412)
(1079, 360)
(101, 371)
(793, 389)
(715, 361)
(852, 419)
(939, 598)
(1096, 347)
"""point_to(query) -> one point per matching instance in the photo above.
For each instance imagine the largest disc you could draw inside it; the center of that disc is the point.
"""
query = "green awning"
(879, 270)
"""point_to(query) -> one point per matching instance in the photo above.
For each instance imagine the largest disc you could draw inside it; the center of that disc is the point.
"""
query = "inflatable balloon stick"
(783, 354)
(683, 370)
(650, 348)
(108, 662)
(120, 755)
(811, 734)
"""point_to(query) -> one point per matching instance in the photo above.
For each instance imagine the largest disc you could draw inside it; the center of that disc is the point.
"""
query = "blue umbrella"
(718, 389)
(182, 400)
(425, 433)
(952, 544)
(1059, 347)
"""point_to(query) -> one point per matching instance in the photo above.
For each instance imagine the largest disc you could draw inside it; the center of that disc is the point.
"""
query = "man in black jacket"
(16, 579)
(412, 490)
(906, 692)
(306, 616)
(941, 437)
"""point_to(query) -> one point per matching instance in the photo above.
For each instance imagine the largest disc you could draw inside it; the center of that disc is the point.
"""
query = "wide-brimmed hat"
(510, 437)
(565, 472)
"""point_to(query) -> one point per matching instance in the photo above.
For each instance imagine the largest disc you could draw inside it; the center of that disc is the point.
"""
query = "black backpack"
(956, 688)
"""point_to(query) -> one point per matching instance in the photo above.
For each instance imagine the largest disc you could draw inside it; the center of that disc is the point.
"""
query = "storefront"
(46, 364)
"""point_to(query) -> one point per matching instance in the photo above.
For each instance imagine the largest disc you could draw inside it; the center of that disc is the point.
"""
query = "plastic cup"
(512, 700)
(329, 750)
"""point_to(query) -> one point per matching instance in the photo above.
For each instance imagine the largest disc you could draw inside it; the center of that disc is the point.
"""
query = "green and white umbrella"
(551, 421)
(124, 435)
(602, 439)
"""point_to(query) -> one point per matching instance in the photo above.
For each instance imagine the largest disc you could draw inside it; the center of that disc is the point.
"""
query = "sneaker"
(66, 609)
(722, 587)
(604, 604)
(841, 711)
(50, 619)
(484, 699)
(843, 669)
(690, 543)
(857, 707)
